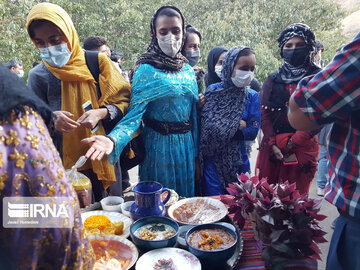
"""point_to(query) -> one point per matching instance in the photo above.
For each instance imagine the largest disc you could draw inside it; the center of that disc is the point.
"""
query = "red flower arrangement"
(287, 222)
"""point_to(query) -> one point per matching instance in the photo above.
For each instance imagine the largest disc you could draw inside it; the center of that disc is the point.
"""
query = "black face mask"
(295, 57)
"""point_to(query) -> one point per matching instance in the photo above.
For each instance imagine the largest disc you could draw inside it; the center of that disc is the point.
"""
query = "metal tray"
(230, 263)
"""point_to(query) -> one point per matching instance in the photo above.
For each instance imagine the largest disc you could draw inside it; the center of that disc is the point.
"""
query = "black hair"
(36, 24)
(246, 52)
(170, 12)
(188, 30)
(115, 57)
(319, 46)
(35, 64)
(191, 29)
(13, 63)
(94, 42)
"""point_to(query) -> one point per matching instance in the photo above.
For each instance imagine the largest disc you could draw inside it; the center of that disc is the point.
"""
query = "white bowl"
(125, 208)
(112, 203)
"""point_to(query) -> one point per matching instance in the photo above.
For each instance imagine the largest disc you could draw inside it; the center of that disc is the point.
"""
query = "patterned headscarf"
(297, 30)
(289, 73)
(220, 119)
(155, 56)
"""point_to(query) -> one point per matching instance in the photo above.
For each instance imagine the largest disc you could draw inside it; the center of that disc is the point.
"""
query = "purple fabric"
(27, 152)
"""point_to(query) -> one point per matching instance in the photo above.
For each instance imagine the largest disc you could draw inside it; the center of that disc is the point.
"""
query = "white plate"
(174, 197)
(202, 215)
(182, 259)
(132, 248)
(114, 217)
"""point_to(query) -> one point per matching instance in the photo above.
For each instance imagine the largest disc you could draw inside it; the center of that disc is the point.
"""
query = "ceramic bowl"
(125, 208)
(212, 257)
(184, 229)
(112, 203)
(146, 245)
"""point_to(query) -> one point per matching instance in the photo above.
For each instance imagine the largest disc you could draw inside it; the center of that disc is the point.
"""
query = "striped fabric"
(251, 256)
(333, 96)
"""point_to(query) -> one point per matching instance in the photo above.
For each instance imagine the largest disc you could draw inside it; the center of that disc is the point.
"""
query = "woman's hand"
(101, 146)
(201, 101)
(277, 152)
(64, 121)
(290, 145)
(242, 125)
(90, 118)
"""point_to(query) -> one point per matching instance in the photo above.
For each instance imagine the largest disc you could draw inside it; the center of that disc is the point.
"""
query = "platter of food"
(113, 252)
(168, 258)
(104, 222)
(197, 210)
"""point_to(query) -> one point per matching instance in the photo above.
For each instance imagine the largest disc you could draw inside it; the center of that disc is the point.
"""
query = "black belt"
(166, 128)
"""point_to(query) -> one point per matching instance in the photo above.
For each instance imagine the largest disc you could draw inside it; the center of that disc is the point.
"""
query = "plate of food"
(113, 252)
(104, 222)
(168, 258)
(174, 197)
(197, 210)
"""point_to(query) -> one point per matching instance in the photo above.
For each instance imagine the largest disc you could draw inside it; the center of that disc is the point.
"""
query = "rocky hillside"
(351, 24)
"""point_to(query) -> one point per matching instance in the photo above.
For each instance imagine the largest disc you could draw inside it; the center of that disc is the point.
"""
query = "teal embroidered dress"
(165, 97)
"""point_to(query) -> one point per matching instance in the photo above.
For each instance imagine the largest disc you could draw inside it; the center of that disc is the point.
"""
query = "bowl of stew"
(154, 232)
(211, 243)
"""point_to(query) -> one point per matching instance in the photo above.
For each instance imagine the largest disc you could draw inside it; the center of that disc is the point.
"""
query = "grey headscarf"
(220, 119)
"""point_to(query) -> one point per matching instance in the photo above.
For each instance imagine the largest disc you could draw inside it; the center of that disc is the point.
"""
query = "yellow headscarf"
(78, 86)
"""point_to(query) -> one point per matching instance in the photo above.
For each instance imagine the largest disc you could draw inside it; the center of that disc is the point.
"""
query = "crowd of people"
(195, 126)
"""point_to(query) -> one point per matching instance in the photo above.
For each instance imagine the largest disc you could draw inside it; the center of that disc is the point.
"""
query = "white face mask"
(170, 45)
(20, 74)
(218, 70)
(242, 78)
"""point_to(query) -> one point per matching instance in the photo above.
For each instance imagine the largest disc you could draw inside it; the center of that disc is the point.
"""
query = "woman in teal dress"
(164, 97)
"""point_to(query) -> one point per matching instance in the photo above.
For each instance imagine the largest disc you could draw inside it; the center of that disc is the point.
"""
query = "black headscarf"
(14, 94)
(155, 56)
(213, 57)
(287, 72)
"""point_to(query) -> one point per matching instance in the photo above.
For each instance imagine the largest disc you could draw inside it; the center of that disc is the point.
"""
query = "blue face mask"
(193, 57)
(57, 55)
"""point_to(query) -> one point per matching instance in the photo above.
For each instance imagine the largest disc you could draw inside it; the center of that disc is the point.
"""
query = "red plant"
(287, 220)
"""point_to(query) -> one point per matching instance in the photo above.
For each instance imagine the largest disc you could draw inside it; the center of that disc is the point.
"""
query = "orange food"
(108, 250)
(211, 239)
(97, 222)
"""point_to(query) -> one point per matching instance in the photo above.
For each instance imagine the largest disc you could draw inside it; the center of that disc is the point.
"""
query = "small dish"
(146, 245)
(174, 197)
(125, 208)
(179, 258)
(112, 203)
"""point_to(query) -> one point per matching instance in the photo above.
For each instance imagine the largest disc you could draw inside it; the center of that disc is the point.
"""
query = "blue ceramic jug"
(148, 200)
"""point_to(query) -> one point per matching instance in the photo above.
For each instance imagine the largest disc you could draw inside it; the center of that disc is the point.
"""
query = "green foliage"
(254, 23)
